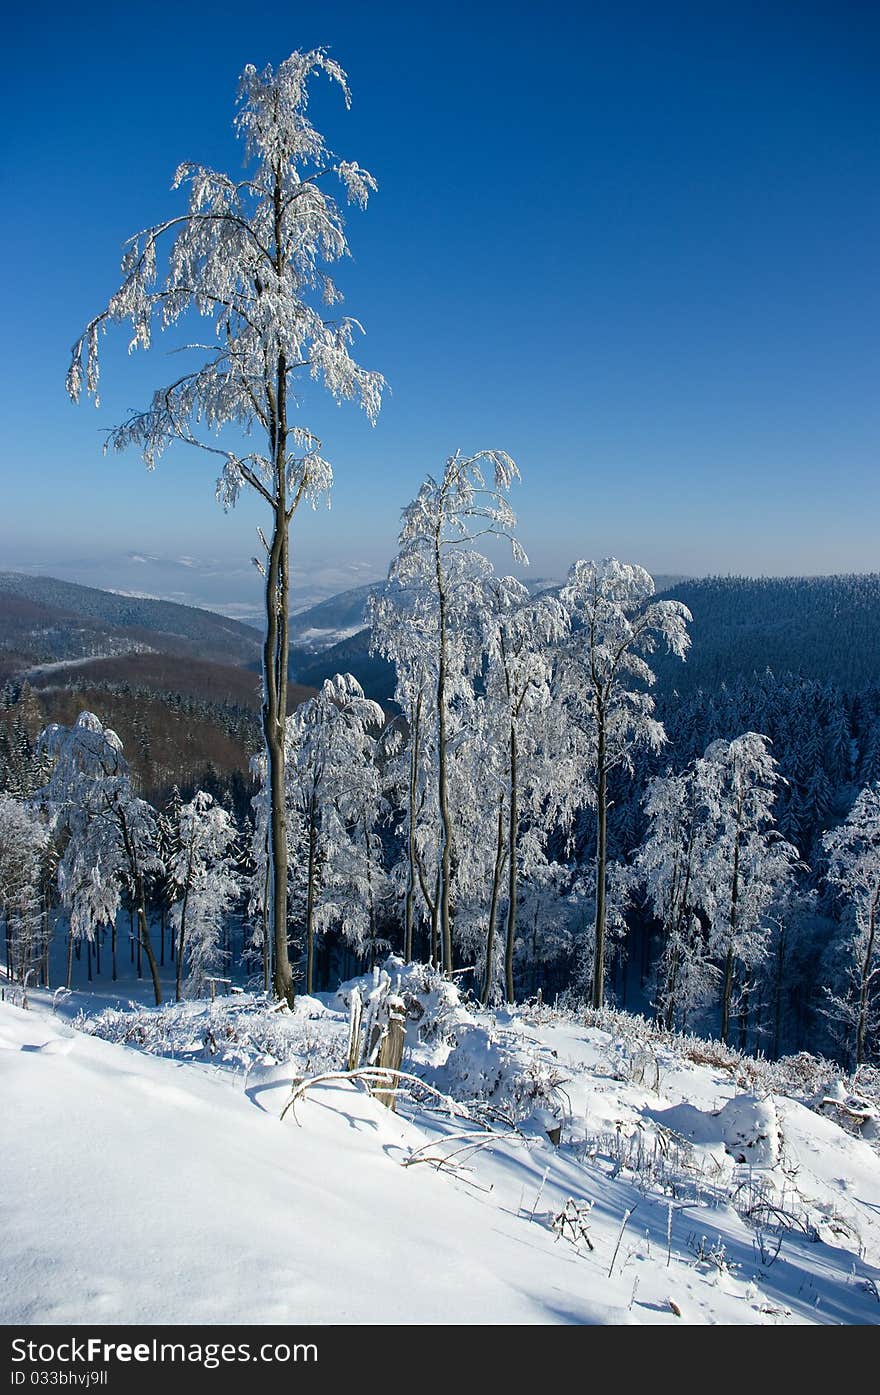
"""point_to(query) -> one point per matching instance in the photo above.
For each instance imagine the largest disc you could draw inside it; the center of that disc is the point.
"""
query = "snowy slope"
(164, 1187)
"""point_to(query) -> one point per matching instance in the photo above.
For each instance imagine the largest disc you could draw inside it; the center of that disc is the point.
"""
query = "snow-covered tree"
(674, 863)
(24, 842)
(248, 256)
(204, 882)
(853, 851)
(403, 630)
(615, 624)
(333, 794)
(435, 578)
(521, 767)
(748, 866)
(112, 834)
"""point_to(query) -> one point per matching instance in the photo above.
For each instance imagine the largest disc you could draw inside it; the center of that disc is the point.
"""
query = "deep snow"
(155, 1182)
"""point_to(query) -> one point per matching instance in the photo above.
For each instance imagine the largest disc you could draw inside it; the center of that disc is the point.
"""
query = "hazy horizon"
(237, 593)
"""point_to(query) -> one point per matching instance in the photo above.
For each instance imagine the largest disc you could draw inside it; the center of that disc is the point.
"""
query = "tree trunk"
(512, 889)
(432, 904)
(435, 923)
(443, 784)
(274, 715)
(409, 903)
(777, 995)
(141, 906)
(277, 646)
(493, 904)
(371, 905)
(47, 935)
(144, 938)
(601, 863)
(310, 900)
(862, 1025)
(731, 942)
(264, 920)
(181, 940)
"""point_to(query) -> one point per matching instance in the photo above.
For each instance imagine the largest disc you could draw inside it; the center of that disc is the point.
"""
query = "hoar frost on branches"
(673, 861)
(333, 792)
(204, 881)
(24, 843)
(248, 256)
(748, 864)
(853, 851)
(112, 834)
(435, 583)
(605, 675)
(523, 767)
(716, 871)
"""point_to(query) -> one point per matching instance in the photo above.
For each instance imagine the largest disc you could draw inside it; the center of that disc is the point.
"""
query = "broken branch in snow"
(382, 1078)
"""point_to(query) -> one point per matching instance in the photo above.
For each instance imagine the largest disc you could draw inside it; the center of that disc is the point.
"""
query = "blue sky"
(632, 244)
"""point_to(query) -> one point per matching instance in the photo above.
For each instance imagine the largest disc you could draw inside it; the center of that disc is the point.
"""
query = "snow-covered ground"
(148, 1174)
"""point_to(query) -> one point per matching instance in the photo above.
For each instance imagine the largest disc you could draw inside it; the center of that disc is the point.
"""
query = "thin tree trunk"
(512, 889)
(731, 942)
(443, 782)
(777, 993)
(47, 935)
(264, 915)
(493, 904)
(310, 900)
(601, 863)
(866, 980)
(274, 715)
(181, 938)
(371, 908)
(141, 906)
(409, 903)
(432, 906)
(144, 938)
(435, 922)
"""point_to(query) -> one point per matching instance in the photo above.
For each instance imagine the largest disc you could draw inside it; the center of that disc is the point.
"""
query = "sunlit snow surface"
(155, 1181)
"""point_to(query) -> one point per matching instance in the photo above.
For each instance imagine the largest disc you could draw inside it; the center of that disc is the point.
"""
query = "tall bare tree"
(248, 256)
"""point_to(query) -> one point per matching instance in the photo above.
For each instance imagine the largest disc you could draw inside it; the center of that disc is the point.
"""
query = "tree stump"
(391, 1048)
(354, 1029)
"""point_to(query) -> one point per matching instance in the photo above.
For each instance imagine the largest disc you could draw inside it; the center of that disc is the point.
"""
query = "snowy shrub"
(750, 1130)
(233, 1034)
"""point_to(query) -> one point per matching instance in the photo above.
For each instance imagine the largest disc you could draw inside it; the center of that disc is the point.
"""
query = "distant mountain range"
(50, 620)
(57, 631)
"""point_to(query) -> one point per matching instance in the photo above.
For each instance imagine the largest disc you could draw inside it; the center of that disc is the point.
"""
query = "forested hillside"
(49, 619)
(822, 627)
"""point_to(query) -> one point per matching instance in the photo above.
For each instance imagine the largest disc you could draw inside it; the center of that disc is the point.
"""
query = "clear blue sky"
(635, 245)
